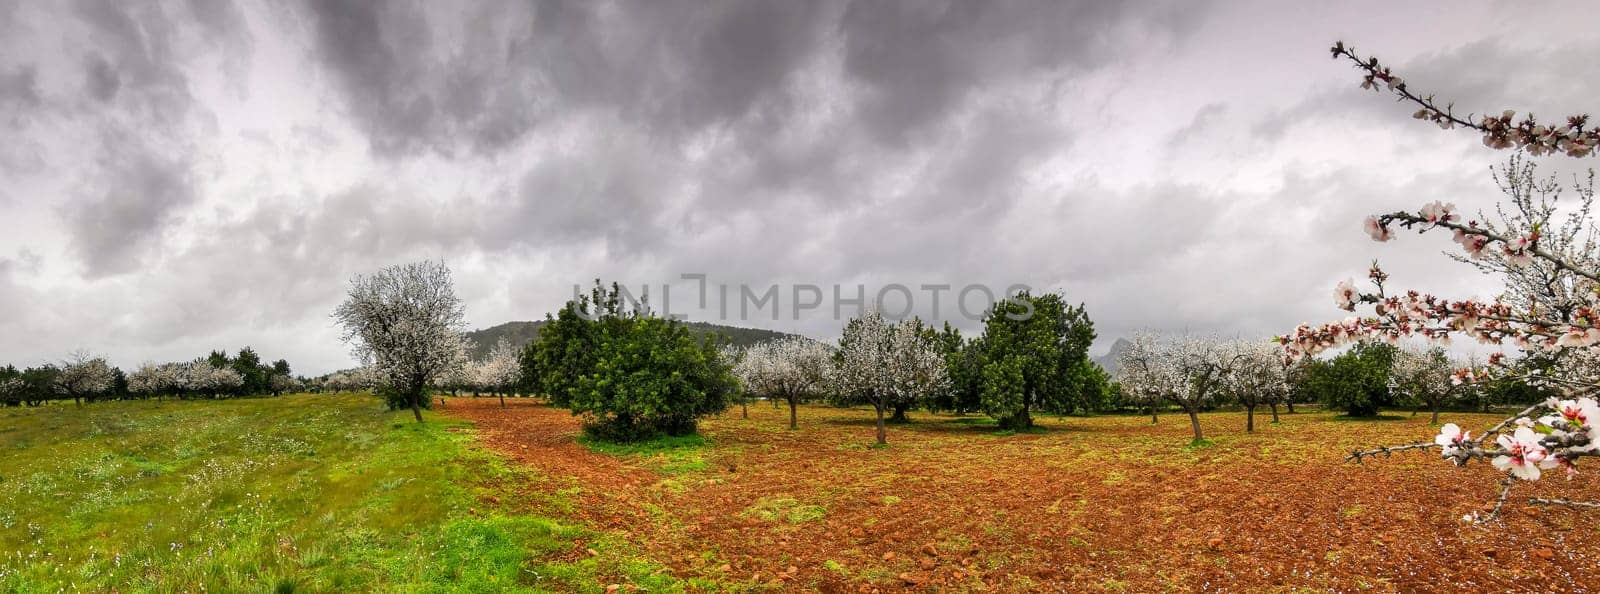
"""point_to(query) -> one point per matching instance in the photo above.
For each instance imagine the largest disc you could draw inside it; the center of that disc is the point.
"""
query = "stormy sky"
(182, 176)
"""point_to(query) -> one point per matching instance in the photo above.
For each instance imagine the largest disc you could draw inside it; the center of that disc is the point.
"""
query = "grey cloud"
(103, 79)
(669, 67)
(19, 102)
(1484, 76)
(137, 40)
(145, 118)
(19, 88)
(1204, 118)
(915, 59)
(116, 224)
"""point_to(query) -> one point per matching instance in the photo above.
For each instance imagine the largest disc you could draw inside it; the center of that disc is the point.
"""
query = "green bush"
(1356, 381)
(630, 374)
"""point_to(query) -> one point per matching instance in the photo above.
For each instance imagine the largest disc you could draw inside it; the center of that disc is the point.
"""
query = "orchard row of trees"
(632, 374)
(86, 378)
(1198, 373)
(1032, 358)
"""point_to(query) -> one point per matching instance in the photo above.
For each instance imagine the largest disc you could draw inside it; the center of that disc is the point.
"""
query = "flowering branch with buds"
(1551, 310)
(1575, 138)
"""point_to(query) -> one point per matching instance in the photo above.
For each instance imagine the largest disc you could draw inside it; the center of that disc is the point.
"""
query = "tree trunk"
(900, 413)
(1153, 419)
(1290, 404)
(416, 406)
(1274, 413)
(794, 416)
(1250, 419)
(744, 407)
(1194, 421)
(1435, 419)
(502, 400)
(883, 434)
(1019, 421)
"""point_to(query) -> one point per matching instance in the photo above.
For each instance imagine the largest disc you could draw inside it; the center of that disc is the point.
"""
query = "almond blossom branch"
(1499, 132)
(1387, 451)
(1552, 281)
(1408, 220)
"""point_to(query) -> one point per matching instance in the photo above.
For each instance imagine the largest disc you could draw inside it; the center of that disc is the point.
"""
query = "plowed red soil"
(1089, 504)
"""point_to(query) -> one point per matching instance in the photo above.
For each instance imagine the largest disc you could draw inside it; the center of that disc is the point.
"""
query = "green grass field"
(305, 493)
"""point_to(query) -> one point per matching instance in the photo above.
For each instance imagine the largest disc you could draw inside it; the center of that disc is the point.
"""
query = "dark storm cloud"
(756, 83)
(678, 67)
(415, 83)
(915, 59)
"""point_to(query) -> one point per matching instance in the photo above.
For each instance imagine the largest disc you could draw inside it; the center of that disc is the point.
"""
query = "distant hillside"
(522, 333)
(518, 333)
(1108, 361)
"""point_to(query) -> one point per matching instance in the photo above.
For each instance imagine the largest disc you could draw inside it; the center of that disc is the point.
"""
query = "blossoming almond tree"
(201, 377)
(886, 364)
(83, 376)
(1256, 374)
(12, 390)
(1422, 376)
(792, 368)
(1144, 373)
(408, 323)
(153, 379)
(1188, 371)
(1549, 311)
(499, 371)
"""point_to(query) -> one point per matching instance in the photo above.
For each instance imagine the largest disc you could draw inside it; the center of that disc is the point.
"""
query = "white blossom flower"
(1377, 230)
(1450, 439)
(1522, 455)
(1344, 294)
(1438, 212)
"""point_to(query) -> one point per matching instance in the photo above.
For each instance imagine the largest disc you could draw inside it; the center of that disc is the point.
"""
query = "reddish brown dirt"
(1099, 504)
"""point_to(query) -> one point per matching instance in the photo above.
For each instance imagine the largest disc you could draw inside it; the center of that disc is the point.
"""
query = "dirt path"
(1102, 504)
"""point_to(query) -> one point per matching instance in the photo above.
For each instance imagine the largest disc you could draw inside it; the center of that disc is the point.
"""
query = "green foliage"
(1513, 391)
(1356, 381)
(1096, 391)
(964, 367)
(632, 375)
(1035, 358)
(37, 384)
(249, 366)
